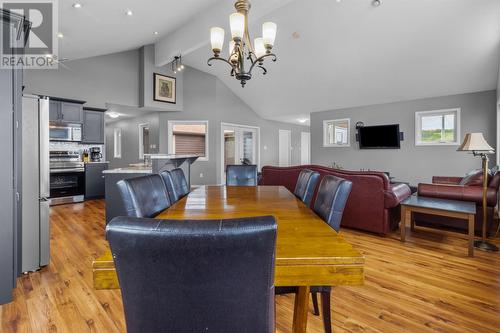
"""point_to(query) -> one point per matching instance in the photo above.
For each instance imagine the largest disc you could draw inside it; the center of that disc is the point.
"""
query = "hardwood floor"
(427, 284)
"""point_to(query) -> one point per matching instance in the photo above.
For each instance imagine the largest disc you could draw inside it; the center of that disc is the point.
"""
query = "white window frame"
(418, 127)
(117, 142)
(326, 123)
(141, 138)
(170, 133)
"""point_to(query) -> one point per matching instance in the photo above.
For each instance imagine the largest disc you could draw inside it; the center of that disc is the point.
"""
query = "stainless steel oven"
(67, 177)
(67, 132)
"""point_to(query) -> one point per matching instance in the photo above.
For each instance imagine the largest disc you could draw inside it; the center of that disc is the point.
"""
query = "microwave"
(67, 132)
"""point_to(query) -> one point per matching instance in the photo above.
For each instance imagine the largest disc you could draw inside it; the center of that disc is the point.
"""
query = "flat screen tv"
(379, 137)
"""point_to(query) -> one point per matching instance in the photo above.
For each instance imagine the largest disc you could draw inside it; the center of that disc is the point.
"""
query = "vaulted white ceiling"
(102, 27)
(350, 53)
(331, 54)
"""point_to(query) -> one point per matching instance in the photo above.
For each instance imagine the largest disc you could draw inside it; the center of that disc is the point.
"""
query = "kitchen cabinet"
(94, 180)
(54, 110)
(65, 111)
(93, 126)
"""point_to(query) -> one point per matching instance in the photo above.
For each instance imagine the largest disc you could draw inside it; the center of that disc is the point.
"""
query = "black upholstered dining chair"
(241, 175)
(306, 184)
(176, 183)
(144, 196)
(195, 276)
(331, 199)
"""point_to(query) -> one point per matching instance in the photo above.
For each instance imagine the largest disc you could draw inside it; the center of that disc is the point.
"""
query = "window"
(188, 137)
(336, 133)
(117, 142)
(439, 127)
(144, 144)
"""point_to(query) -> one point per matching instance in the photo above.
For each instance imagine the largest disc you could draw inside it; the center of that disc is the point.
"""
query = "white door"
(305, 148)
(284, 147)
(239, 145)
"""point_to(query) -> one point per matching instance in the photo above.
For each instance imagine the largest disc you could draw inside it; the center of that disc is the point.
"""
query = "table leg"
(471, 235)
(405, 215)
(300, 310)
(412, 222)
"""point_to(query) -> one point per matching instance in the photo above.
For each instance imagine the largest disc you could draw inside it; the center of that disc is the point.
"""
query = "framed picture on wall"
(164, 88)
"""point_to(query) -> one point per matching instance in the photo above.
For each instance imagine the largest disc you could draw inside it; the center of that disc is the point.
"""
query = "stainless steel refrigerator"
(35, 183)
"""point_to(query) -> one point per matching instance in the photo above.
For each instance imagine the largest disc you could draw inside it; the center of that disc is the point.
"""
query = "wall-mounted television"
(379, 137)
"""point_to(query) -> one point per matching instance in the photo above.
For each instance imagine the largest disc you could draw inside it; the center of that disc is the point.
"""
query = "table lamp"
(477, 145)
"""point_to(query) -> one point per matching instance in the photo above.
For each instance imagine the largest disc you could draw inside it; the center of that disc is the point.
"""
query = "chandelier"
(242, 54)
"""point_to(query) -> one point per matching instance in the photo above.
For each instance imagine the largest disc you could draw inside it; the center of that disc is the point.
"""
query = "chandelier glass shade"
(243, 55)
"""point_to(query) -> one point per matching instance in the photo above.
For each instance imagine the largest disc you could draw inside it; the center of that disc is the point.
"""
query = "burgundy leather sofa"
(468, 188)
(373, 204)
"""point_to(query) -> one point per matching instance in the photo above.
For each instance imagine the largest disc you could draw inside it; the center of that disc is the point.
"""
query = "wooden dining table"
(308, 251)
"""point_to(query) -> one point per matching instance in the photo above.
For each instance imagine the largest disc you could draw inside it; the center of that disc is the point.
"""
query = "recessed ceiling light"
(376, 3)
(302, 120)
(113, 114)
(60, 35)
(77, 5)
(129, 12)
(155, 33)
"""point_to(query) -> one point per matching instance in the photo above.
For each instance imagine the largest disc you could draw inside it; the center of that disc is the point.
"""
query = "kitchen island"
(157, 163)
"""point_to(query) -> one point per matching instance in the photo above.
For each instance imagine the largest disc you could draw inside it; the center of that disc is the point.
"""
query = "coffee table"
(442, 207)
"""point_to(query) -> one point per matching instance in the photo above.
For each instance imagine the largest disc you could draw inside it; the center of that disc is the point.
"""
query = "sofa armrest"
(446, 180)
(395, 194)
(458, 192)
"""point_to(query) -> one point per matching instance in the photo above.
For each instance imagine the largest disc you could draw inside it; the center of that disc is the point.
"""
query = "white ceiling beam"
(196, 33)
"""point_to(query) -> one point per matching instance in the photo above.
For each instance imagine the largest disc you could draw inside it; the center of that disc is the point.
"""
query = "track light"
(176, 64)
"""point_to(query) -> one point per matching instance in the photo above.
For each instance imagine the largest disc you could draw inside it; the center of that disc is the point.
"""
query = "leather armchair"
(241, 175)
(462, 189)
(333, 193)
(144, 196)
(306, 184)
(176, 183)
(195, 276)
(373, 205)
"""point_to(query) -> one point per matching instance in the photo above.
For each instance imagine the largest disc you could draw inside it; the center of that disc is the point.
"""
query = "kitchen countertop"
(96, 162)
(129, 170)
(168, 156)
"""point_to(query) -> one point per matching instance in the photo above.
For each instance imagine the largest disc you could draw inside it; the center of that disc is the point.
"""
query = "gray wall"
(130, 139)
(124, 78)
(207, 98)
(410, 163)
(98, 80)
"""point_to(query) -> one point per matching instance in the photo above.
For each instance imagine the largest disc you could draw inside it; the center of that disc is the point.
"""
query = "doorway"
(239, 145)
(305, 148)
(284, 148)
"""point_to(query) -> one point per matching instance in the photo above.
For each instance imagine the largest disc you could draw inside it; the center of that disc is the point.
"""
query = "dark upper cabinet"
(63, 111)
(93, 126)
(54, 110)
(71, 112)
(94, 180)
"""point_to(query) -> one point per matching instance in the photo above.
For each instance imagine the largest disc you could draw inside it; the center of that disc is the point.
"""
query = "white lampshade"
(258, 45)
(475, 142)
(217, 38)
(237, 23)
(269, 34)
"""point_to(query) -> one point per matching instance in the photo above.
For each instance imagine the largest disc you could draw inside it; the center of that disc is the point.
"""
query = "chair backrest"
(241, 175)
(176, 183)
(330, 202)
(195, 276)
(306, 184)
(144, 196)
